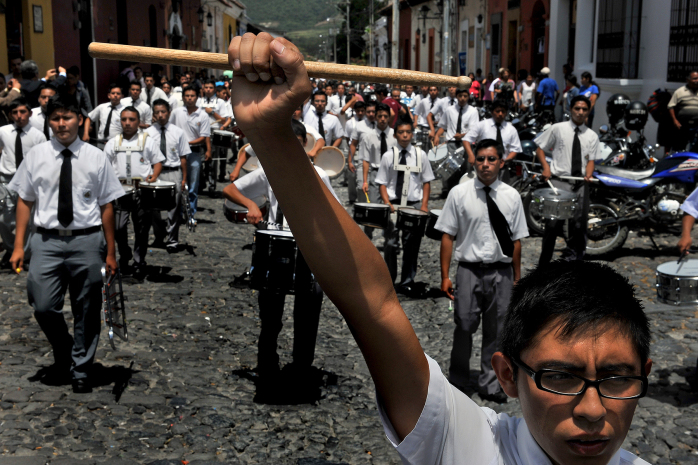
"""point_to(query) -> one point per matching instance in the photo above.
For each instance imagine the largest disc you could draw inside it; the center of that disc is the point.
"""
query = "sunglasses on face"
(491, 159)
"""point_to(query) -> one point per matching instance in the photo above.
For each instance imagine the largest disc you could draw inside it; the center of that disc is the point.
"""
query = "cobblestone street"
(182, 390)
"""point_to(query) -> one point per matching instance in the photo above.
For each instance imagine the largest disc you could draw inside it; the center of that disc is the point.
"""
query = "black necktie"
(499, 224)
(147, 92)
(65, 190)
(320, 127)
(400, 176)
(19, 155)
(499, 134)
(163, 142)
(106, 126)
(384, 143)
(432, 105)
(452, 101)
(576, 154)
(460, 119)
(46, 133)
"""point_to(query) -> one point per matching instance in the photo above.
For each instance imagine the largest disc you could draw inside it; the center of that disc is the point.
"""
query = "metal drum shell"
(127, 202)
(374, 215)
(224, 139)
(238, 213)
(450, 165)
(412, 220)
(676, 285)
(552, 206)
(437, 155)
(160, 195)
(432, 232)
(277, 264)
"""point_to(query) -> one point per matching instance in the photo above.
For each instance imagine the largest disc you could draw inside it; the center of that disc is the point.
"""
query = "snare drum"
(277, 264)
(375, 215)
(223, 139)
(309, 143)
(552, 206)
(238, 213)
(127, 202)
(450, 165)
(432, 232)
(158, 195)
(330, 159)
(677, 283)
(251, 164)
(437, 155)
(412, 220)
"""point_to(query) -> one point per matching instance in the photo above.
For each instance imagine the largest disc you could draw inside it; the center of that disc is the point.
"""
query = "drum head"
(412, 211)
(330, 159)
(372, 206)
(223, 133)
(309, 143)
(158, 184)
(436, 213)
(685, 269)
(127, 189)
(272, 232)
(549, 194)
(440, 152)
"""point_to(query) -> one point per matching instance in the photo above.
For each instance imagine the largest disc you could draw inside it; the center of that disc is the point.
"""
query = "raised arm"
(348, 267)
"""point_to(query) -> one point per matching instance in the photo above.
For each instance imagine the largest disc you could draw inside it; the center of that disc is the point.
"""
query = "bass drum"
(251, 164)
(331, 159)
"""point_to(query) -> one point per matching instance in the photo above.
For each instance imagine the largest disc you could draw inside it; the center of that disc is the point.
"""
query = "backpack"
(657, 103)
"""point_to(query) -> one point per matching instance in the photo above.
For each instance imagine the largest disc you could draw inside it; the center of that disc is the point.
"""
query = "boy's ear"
(504, 369)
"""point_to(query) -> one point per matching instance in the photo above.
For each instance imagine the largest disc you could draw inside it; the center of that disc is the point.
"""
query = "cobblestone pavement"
(182, 391)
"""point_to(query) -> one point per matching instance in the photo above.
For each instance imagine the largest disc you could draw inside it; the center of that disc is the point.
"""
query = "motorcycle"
(619, 150)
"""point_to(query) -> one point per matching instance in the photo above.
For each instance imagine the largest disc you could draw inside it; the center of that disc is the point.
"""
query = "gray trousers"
(373, 191)
(68, 263)
(141, 228)
(8, 222)
(577, 241)
(168, 230)
(410, 251)
(480, 293)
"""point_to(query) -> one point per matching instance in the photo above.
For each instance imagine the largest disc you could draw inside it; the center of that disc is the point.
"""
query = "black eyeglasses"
(568, 384)
(491, 159)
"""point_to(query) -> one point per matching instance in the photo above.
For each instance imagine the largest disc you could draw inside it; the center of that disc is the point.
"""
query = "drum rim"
(404, 212)
(674, 276)
(274, 232)
(221, 131)
(550, 190)
(157, 184)
(374, 206)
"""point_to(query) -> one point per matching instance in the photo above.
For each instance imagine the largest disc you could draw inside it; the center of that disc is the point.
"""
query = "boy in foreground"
(574, 353)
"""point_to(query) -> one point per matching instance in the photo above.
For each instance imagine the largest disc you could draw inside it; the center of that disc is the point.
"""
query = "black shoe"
(139, 270)
(81, 386)
(498, 397)
(172, 248)
(158, 244)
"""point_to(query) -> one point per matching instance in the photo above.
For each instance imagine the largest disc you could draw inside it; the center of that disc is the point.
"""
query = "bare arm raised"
(270, 82)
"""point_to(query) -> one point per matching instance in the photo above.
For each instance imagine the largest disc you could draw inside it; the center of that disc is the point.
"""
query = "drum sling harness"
(142, 136)
(408, 168)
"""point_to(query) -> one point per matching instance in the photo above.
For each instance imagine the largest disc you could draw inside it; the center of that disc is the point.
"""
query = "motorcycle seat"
(627, 174)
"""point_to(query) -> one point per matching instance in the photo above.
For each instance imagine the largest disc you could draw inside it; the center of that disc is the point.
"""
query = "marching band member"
(134, 157)
(107, 115)
(38, 117)
(485, 218)
(325, 123)
(307, 304)
(366, 125)
(72, 186)
(151, 92)
(391, 178)
(217, 111)
(173, 144)
(197, 126)
(350, 172)
(422, 111)
(435, 113)
(134, 100)
(496, 128)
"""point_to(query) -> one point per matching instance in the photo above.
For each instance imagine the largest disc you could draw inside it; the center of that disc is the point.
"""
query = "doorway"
(513, 46)
(496, 43)
(539, 45)
(87, 64)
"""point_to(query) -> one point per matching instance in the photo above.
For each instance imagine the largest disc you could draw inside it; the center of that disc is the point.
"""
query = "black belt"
(69, 232)
(170, 168)
(493, 265)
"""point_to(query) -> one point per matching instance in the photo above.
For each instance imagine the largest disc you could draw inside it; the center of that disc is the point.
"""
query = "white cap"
(545, 70)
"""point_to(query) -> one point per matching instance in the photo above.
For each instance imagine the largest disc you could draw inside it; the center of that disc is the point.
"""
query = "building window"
(619, 39)
(683, 40)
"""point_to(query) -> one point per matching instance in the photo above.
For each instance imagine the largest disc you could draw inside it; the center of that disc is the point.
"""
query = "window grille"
(683, 40)
(618, 39)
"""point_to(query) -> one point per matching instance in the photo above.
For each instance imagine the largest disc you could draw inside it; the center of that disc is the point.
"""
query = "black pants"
(577, 241)
(142, 220)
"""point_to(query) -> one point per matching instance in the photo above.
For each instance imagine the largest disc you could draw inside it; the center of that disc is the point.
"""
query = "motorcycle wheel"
(536, 224)
(604, 239)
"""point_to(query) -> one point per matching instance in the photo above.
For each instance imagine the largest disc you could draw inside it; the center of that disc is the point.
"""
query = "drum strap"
(408, 168)
(142, 136)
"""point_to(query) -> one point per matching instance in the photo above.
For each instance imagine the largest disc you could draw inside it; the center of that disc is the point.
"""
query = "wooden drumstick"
(167, 56)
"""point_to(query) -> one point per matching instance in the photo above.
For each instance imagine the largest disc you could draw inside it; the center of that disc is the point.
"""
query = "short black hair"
(359, 105)
(74, 70)
(147, 75)
(319, 94)
(210, 81)
(47, 85)
(132, 109)
(404, 122)
(187, 88)
(299, 129)
(489, 143)
(161, 102)
(462, 91)
(63, 101)
(220, 88)
(499, 104)
(580, 98)
(135, 82)
(570, 292)
(115, 85)
(382, 107)
(370, 103)
(19, 102)
(383, 90)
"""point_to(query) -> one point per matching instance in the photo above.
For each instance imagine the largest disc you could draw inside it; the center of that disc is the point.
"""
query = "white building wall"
(468, 16)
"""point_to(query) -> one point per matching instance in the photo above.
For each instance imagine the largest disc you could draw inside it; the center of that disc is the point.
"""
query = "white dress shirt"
(441, 106)
(370, 145)
(331, 125)
(146, 113)
(423, 108)
(30, 137)
(560, 138)
(452, 429)
(449, 121)
(142, 158)
(362, 127)
(333, 105)
(486, 129)
(155, 93)
(218, 106)
(101, 113)
(387, 175)
(94, 183)
(350, 128)
(175, 100)
(465, 216)
(37, 120)
(194, 125)
(311, 130)
(176, 143)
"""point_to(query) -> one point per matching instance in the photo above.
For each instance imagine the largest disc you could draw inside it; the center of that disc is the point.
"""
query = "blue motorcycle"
(649, 198)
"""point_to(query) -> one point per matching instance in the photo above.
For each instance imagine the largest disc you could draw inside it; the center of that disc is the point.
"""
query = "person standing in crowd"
(350, 172)
(392, 100)
(409, 98)
(10, 91)
(74, 236)
(134, 158)
(31, 84)
(15, 62)
(486, 220)
(496, 128)
(574, 148)
(16, 140)
(527, 91)
(151, 92)
(217, 111)
(435, 114)
(361, 128)
(135, 100)
(426, 105)
(475, 89)
(683, 110)
(504, 88)
(196, 124)
(391, 182)
(547, 91)
(174, 146)
(591, 91)
(571, 91)
(326, 124)
(38, 118)
(170, 96)
(138, 76)
(487, 95)
(107, 116)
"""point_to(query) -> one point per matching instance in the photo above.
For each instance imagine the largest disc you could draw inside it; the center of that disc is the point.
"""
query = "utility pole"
(396, 34)
(348, 36)
(370, 36)
(446, 46)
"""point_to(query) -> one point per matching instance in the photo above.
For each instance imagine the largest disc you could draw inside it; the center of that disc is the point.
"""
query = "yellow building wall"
(38, 46)
(228, 21)
(4, 65)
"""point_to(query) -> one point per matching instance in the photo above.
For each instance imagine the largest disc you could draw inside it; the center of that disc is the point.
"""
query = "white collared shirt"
(362, 127)
(101, 113)
(30, 137)
(144, 110)
(424, 107)
(449, 121)
(560, 138)
(218, 106)
(255, 184)
(442, 105)
(350, 127)
(155, 93)
(94, 183)
(331, 125)
(176, 143)
(387, 175)
(194, 125)
(311, 130)
(452, 429)
(141, 161)
(486, 129)
(370, 145)
(465, 216)
(175, 100)
(37, 120)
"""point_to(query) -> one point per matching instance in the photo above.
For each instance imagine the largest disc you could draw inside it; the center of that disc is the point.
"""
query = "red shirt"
(395, 106)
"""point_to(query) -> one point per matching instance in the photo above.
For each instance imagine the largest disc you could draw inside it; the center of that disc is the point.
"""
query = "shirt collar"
(74, 147)
(480, 185)
(582, 128)
(135, 137)
(493, 124)
(159, 127)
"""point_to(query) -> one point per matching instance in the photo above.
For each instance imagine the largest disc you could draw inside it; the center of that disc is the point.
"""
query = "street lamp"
(200, 13)
(209, 19)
